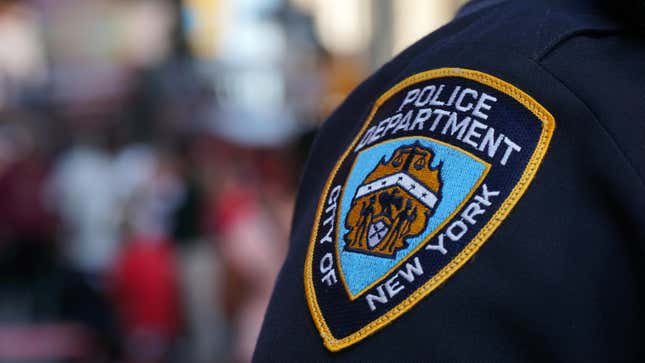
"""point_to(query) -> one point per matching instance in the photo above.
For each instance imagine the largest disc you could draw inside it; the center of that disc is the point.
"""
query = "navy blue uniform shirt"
(481, 197)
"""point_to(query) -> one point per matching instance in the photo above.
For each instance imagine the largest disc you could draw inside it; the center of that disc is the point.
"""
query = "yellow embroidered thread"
(548, 126)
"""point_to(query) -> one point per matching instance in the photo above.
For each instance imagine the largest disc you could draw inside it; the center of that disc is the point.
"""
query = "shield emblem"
(376, 233)
(387, 210)
(437, 166)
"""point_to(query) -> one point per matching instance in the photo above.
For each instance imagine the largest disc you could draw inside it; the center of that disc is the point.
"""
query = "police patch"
(439, 163)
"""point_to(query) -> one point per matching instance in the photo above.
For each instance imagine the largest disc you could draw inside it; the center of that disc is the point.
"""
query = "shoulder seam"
(602, 126)
(565, 37)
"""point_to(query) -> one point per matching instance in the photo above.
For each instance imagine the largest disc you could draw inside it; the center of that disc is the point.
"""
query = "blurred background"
(150, 152)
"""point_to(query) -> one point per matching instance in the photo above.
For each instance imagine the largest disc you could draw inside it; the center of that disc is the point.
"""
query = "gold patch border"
(487, 167)
(548, 126)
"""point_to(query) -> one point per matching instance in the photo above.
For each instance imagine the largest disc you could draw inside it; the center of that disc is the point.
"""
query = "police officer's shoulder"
(506, 136)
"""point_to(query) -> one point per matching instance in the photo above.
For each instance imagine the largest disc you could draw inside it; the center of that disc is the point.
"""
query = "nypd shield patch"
(436, 167)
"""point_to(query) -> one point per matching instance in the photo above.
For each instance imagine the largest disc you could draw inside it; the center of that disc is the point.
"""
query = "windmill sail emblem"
(394, 202)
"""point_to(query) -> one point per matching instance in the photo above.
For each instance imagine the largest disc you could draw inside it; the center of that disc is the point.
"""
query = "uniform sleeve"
(467, 203)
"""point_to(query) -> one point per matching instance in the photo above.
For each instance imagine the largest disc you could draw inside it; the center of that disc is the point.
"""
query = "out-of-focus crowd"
(144, 208)
(118, 248)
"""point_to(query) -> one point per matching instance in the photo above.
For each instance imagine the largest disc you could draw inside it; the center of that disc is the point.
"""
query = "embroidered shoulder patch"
(437, 166)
